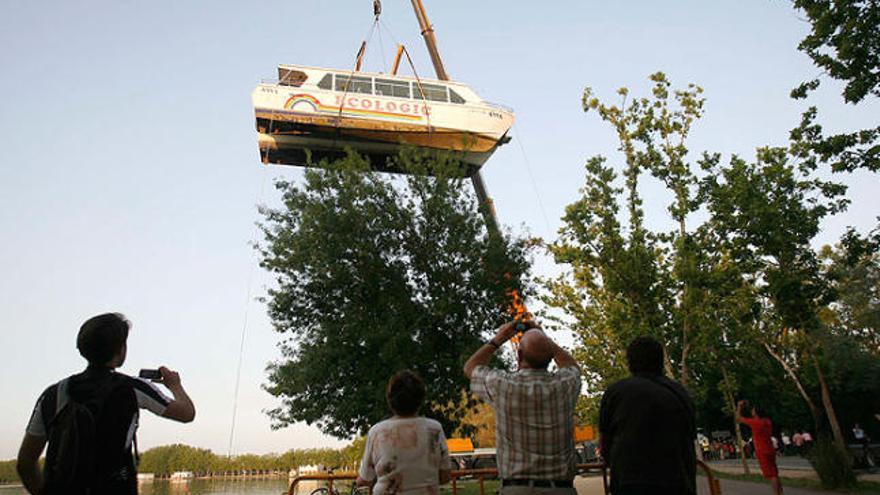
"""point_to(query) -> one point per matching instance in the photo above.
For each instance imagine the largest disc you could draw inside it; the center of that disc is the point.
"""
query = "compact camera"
(147, 374)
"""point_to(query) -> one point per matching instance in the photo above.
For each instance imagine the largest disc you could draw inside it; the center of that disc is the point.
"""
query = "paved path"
(593, 486)
(789, 467)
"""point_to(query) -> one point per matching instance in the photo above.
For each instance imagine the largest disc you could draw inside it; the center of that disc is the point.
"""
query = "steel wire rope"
(381, 47)
(354, 69)
(535, 188)
(415, 73)
(592, 246)
(421, 91)
(247, 307)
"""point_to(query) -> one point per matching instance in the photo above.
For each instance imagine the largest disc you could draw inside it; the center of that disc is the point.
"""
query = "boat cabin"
(326, 111)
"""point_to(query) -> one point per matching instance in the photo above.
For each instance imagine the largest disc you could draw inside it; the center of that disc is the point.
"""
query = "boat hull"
(309, 150)
(285, 137)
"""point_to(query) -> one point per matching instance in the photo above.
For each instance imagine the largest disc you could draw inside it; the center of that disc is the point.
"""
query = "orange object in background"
(584, 434)
(458, 445)
(517, 308)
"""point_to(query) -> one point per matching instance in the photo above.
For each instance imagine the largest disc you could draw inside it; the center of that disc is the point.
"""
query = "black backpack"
(71, 466)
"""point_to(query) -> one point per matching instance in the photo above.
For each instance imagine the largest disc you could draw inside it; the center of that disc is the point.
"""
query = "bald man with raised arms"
(534, 411)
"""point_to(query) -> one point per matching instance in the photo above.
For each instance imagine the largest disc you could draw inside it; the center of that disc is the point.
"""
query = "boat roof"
(374, 74)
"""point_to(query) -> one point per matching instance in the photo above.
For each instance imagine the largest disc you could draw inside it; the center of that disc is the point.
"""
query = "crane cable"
(247, 306)
(377, 28)
(532, 180)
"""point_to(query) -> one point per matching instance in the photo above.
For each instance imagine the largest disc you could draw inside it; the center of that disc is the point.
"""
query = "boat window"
(326, 81)
(433, 92)
(288, 77)
(455, 97)
(355, 84)
(389, 87)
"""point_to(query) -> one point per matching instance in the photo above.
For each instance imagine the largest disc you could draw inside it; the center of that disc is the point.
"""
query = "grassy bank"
(472, 487)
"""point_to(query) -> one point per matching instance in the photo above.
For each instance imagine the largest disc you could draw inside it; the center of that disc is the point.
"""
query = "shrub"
(832, 464)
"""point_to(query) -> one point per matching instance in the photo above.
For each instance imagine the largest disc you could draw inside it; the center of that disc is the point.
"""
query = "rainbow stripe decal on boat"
(361, 106)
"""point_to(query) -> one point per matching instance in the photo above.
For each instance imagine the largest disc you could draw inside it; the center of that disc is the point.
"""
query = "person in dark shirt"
(647, 428)
(115, 400)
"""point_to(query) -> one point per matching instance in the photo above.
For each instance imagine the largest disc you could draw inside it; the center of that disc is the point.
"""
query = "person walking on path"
(89, 420)
(762, 431)
(786, 443)
(647, 428)
(407, 452)
(798, 440)
(534, 411)
(859, 435)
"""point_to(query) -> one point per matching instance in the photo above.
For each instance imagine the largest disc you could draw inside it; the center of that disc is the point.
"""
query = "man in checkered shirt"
(534, 411)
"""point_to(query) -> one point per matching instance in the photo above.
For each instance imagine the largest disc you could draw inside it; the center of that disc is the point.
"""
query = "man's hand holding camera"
(182, 408)
(508, 330)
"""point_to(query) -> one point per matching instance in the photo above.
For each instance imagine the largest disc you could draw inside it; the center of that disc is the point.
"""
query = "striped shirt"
(148, 397)
(534, 418)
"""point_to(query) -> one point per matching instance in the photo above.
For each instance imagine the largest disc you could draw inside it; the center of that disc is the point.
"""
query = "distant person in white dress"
(406, 453)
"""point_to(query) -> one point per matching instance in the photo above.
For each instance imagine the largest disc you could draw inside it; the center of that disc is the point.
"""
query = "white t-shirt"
(405, 455)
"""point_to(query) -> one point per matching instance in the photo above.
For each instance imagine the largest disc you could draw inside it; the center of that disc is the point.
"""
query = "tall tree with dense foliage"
(771, 210)
(853, 272)
(625, 280)
(844, 41)
(652, 132)
(852, 269)
(376, 274)
(738, 296)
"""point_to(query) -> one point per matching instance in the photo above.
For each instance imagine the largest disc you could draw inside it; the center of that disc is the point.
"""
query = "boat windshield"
(289, 77)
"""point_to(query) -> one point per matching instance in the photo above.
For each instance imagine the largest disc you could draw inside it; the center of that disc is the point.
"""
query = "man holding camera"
(89, 420)
(534, 411)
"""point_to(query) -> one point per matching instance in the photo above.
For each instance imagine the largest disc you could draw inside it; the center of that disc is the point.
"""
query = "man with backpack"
(89, 419)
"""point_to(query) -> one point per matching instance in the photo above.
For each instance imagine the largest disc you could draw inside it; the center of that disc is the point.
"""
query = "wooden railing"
(482, 474)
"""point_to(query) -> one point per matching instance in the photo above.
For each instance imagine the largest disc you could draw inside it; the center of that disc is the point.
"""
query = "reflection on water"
(215, 487)
(210, 487)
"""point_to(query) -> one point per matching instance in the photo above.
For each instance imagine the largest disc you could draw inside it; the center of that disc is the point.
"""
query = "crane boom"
(486, 204)
(430, 39)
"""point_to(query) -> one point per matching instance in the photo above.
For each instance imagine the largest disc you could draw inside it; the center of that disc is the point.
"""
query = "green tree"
(626, 280)
(852, 269)
(816, 317)
(167, 459)
(652, 132)
(771, 210)
(376, 274)
(615, 289)
(853, 272)
(844, 42)
(8, 473)
(178, 457)
(732, 297)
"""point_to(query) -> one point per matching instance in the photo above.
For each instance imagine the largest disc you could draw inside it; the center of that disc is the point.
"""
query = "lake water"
(199, 487)
(216, 487)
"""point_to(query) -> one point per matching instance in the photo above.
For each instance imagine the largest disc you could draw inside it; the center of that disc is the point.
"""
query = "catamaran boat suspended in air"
(326, 111)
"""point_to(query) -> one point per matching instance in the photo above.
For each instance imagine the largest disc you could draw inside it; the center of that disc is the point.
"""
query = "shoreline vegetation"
(203, 463)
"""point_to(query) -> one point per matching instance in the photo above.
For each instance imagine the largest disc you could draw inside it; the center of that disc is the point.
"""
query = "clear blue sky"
(129, 172)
